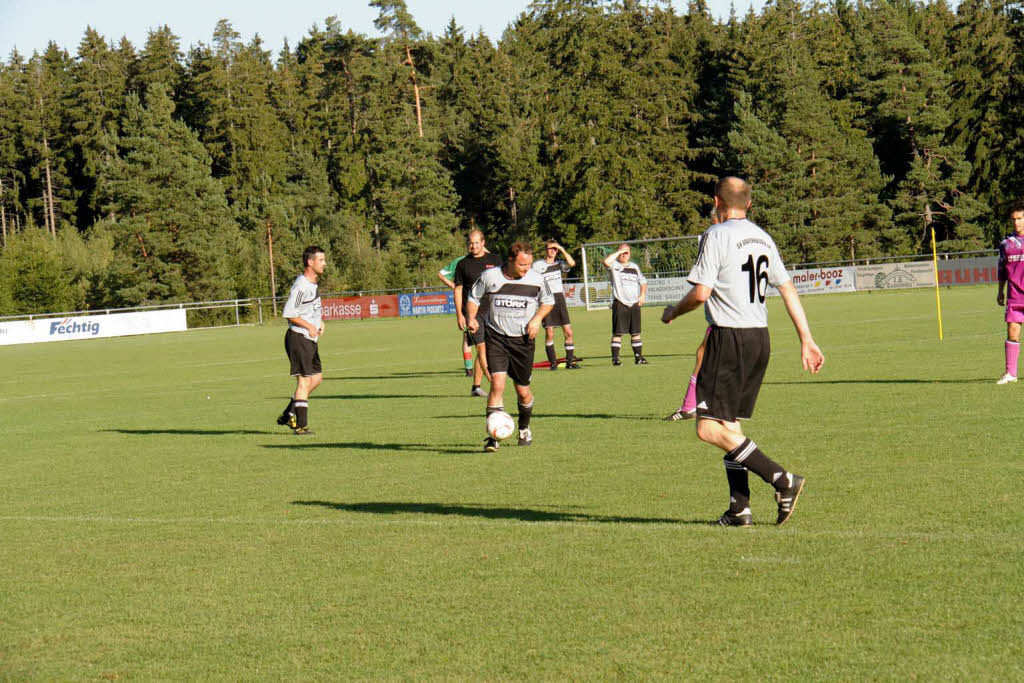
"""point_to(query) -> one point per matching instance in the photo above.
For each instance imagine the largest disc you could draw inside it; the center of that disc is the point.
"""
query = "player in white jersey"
(516, 299)
(629, 293)
(736, 263)
(301, 341)
(551, 268)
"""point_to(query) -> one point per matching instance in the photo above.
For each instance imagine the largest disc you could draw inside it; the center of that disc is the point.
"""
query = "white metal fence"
(258, 310)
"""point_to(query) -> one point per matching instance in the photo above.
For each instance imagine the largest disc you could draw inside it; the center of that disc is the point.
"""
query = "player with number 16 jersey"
(737, 260)
(736, 263)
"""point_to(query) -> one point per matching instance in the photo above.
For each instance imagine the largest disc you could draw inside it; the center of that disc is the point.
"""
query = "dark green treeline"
(135, 175)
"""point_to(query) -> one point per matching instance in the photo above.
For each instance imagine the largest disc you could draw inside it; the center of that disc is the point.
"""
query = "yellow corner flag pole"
(935, 268)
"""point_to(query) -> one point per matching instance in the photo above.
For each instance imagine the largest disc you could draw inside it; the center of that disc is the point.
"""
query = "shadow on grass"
(809, 382)
(544, 416)
(357, 397)
(399, 375)
(489, 512)
(372, 446)
(195, 432)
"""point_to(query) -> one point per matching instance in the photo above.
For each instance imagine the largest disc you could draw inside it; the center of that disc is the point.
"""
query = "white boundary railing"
(250, 311)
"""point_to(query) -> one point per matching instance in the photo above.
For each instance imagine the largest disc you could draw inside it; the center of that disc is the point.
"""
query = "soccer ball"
(500, 425)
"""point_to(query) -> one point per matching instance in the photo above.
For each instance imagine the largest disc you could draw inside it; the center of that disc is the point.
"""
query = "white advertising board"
(896, 275)
(822, 280)
(91, 326)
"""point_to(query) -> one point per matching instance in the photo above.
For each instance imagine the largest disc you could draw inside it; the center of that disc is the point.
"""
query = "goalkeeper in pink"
(1011, 270)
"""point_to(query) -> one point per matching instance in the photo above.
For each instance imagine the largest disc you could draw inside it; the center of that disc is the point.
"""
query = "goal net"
(658, 258)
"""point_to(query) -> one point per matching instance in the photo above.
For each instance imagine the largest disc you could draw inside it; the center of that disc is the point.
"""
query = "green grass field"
(156, 524)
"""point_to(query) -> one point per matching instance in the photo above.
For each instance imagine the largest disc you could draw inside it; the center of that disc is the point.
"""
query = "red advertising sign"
(356, 307)
(968, 271)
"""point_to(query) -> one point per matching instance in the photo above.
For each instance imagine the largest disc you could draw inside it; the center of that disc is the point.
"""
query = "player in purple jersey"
(1011, 269)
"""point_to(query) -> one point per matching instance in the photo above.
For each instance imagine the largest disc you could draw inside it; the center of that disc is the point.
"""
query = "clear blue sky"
(30, 24)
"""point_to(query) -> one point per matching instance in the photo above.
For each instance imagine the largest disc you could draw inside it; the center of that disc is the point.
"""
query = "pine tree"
(93, 103)
(615, 115)
(159, 62)
(13, 105)
(906, 99)
(168, 220)
(410, 197)
(983, 62)
(44, 137)
(813, 170)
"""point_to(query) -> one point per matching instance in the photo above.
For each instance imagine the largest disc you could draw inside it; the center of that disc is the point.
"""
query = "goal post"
(658, 257)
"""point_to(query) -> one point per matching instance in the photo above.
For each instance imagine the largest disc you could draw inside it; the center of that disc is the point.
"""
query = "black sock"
(570, 354)
(475, 387)
(751, 457)
(550, 350)
(525, 412)
(739, 490)
(638, 349)
(290, 410)
(615, 350)
(301, 413)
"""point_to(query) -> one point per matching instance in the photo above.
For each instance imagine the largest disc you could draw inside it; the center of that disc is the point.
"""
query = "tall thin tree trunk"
(49, 191)
(3, 212)
(415, 89)
(273, 285)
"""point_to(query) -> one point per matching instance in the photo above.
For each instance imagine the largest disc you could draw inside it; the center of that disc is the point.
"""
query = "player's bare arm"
(693, 299)
(810, 355)
(643, 295)
(460, 317)
(470, 322)
(610, 258)
(569, 260)
(533, 327)
(446, 281)
(313, 331)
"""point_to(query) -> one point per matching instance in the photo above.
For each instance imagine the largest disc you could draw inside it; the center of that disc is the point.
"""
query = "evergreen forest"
(138, 174)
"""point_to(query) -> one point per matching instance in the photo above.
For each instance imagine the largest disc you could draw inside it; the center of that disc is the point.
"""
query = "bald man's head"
(733, 192)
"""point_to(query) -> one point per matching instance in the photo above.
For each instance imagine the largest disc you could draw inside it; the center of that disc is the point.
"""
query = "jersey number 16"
(758, 277)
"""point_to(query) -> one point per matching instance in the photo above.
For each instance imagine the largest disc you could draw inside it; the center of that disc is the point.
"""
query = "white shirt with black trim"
(552, 273)
(303, 302)
(737, 260)
(626, 282)
(513, 303)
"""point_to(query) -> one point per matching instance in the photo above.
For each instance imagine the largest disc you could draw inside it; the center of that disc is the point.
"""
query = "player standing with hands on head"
(467, 272)
(629, 292)
(551, 268)
(301, 341)
(1011, 269)
(736, 263)
(518, 299)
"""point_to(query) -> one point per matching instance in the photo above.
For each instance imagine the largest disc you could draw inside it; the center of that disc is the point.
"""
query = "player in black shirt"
(467, 273)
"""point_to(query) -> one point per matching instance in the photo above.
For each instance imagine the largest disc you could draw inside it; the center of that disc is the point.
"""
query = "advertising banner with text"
(896, 275)
(360, 307)
(91, 326)
(969, 271)
(822, 280)
(426, 303)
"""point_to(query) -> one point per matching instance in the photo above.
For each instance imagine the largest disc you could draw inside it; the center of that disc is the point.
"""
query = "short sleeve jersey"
(469, 270)
(626, 282)
(303, 302)
(737, 260)
(1011, 269)
(552, 273)
(449, 270)
(512, 302)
